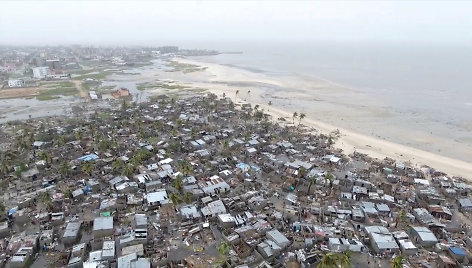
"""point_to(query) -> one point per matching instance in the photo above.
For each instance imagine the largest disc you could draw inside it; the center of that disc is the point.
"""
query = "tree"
(302, 172)
(397, 262)
(333, 137)
(185, 167)
(177, 183)
(3, 166)
(124, 106)
(223, 250)
(117, 165)
(236, 95)
(64, 169)
(188, 197)
(45, 198)
(329, 181)
(45, 157)
(87, 168)
(175, 198)
(128, 170)
(248, 92)
(300, 118)
(329, 260)
(294, 116)
(313, 180)
(345, 259)
(402, 219)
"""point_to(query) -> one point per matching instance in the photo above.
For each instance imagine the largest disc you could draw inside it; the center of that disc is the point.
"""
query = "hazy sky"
(180, 22)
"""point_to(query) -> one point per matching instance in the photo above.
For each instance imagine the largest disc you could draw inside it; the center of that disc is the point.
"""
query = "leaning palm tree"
(329, 260)
(397, 262)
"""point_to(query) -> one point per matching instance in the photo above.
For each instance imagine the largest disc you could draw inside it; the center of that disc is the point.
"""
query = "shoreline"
(218, 82)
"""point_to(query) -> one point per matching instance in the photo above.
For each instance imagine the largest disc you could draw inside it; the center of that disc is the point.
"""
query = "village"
(199, 180)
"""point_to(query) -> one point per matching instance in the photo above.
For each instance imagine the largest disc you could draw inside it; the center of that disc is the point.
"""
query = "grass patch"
(55, 90)
(184, 67)
(163, 85)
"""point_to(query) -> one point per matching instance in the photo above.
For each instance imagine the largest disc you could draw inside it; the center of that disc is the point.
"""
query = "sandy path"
(217, 77)
(10, 93)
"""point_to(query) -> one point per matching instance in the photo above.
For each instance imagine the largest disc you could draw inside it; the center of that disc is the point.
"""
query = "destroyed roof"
(88, 157)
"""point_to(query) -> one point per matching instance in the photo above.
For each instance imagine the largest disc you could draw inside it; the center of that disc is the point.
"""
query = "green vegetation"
(184, 67)
(57, 89)
(158, 84)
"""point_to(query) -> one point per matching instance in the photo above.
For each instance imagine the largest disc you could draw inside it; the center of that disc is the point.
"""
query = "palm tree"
(300, 118)
(79, 135)
(177, 183)
(295, 115)
(188, 197)
(128, 170)
(302, 172)
(185, 167)
(117, 165)
(236, 95)
(87, 168)
(313, 180)
(4, 166)
(45, 156)
(345, 259)
(329, 260)
(223, 248)
(64, 169)
(175, 198)
(248, 92)
(329, 181)
(402, 219)
(397, 262)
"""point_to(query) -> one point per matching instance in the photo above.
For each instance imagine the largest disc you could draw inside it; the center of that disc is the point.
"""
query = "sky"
(184, 22)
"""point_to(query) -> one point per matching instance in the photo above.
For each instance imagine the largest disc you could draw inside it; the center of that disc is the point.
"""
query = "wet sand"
(329, 106)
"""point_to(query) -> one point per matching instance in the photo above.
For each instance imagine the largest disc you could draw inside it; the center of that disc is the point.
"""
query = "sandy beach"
(328, 106)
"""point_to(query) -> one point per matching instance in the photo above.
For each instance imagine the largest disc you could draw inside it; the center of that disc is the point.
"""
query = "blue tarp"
(242, 166)
(88, 157)
(457, 251)
(13, 210)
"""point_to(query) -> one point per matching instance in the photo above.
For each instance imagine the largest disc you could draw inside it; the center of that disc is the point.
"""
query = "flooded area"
(25, 108)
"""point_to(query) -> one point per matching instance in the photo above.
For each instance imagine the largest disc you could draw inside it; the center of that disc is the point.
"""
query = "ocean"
(427, 87)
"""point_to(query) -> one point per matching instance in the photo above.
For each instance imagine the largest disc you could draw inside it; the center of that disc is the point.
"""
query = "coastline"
(221, 79)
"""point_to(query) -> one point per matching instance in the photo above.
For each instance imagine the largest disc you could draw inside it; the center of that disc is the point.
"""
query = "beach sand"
(328, 107)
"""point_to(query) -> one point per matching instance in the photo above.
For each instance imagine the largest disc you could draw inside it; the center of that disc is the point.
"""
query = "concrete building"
(278, 238)
(72, 233)
(41, 72)
(102, 226)
(423, 236)
(381, 239)
(16, 83)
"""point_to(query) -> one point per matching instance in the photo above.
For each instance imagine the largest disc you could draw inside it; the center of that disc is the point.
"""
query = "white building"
(41, 72)
(16, 83)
